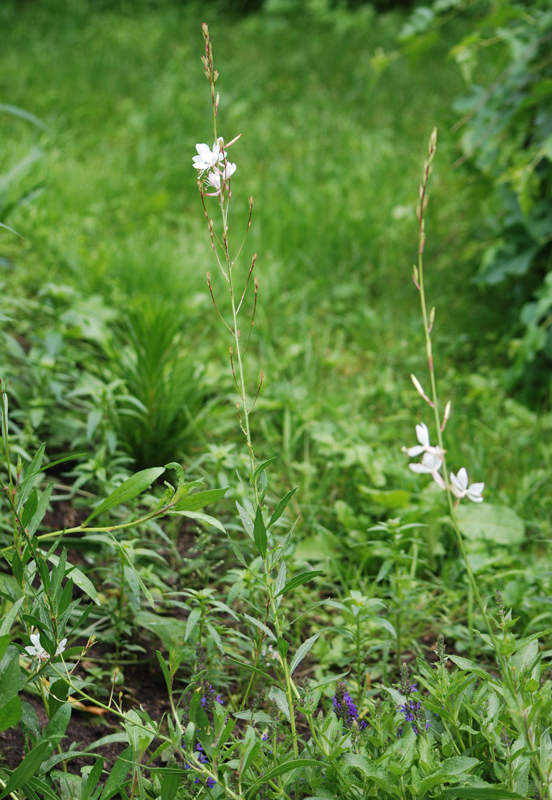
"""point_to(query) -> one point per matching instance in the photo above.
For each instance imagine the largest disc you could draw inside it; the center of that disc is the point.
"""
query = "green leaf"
(10, 713)
(200, 516)
(281, 769)
(298, 580)
(458, 764)
(25, 771)
(193, 619)
(79, 579)
(8, 619)
(246, 520)
(261, 626)
(42, 508)
(302, 652)
(91, 780)
(281, 507)
(482, 793)
(30, 508)
(261, 468)
(164, 670)
(169, 785)
(200, 499)
(259, 533)
(118, 773)
(9, 675)
(128, 490)
(498, 524)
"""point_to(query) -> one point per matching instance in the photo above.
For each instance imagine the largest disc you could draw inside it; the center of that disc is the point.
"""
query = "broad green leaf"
(298, 580)
(169, 785)
(482, 793)
(302, 652)
(281, 700)
(381, 777)
(282, 769)
(171, 631)
(458, 764)
(259, 533)
(498, 524)
(9, 675)
(128, 490)
(10, 713)
(25, 771)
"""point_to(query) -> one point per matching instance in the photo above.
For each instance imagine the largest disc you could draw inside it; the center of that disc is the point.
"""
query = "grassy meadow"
(113, 352)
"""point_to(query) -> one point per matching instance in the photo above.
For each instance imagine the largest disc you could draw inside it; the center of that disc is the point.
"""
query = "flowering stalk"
(434, 458)
(456, 486)
(215, 172)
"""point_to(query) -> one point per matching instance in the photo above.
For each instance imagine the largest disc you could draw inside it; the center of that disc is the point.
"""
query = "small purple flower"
(344, 707)
(211, 782)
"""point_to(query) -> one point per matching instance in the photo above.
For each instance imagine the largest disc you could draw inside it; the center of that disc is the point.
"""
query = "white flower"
(61, 647)
(207, 158)
(214, 177)
(36, 650)
(430, 463)
(459, 487)
(422, 434)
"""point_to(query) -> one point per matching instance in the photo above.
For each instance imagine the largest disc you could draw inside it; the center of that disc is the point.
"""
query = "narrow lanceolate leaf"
(199, 515)
(25, 771)
(302, 652)
(246, 520)
(199, 500)
(259, 533)
(261, 626)
(128, 490)
(262, 467)
(300, 579)
(118, 773)
(281, 507)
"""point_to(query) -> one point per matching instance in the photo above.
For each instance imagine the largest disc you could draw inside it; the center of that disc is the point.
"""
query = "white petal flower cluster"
(431, 463)
(215, 163)
(37, 651)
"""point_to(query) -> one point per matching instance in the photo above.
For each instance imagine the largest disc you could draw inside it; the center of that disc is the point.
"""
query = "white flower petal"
(422, 434)
(61, 647)
(421, 468)
(463, 478)
(412, 452)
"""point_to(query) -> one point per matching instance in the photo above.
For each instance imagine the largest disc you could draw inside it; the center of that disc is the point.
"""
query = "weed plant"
(254, 703)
